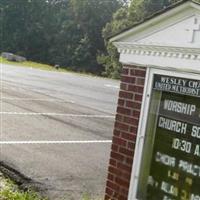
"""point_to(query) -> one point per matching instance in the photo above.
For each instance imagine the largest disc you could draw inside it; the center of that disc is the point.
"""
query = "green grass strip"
(9, 191)
(35, 65)
(31, 64)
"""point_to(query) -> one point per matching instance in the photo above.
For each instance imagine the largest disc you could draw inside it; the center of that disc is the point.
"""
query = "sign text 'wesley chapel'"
(177, 85)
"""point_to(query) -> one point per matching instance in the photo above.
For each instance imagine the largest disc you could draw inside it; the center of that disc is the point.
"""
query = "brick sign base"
(125, 132)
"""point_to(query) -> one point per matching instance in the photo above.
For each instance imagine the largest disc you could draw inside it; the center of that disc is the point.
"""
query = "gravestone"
(155, 152)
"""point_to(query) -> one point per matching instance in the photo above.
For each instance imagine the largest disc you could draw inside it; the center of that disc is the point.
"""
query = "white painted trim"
(175, 63)
(143, 123)
(154, 49)
(183, 58)
(140, 138)
(155, 20)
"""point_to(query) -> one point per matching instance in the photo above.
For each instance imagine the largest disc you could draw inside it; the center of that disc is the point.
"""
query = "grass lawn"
(32, 65)
(41, 66)
(9, 191)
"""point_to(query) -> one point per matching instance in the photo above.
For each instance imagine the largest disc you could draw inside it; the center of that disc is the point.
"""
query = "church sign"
(172, 171)
(159, 108)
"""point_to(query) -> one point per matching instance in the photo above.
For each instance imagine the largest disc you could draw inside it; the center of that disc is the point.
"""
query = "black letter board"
(175, 165)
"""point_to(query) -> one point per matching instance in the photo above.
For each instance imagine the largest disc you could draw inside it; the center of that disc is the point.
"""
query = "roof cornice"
(190, 53)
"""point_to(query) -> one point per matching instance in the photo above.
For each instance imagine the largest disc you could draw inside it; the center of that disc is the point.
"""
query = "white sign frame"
(143, 122)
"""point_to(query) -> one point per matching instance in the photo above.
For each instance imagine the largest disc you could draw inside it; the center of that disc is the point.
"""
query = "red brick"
(133, 130)
(114, 147)
(122, 182)
(129, 104)
(125, 132)
(128, 79)
(109, 191)
(117, 156)
(119, 141)
(132, 72)
(113, 162)
(131, 145)
(121, 126)
(124, 167)
(124, 86)
(127, 176)
(110, 177)
(129, 161)
(140, 81)
(136, 114)
(128, 136)
(132, 104)
(130, 120)
(121, 102)
(124, 191)
(116, 195)
(119, 118)
(115, 171)
(126, 151)
(138, 97)
(134, 122)
(122, 197)
(113, 185)
(139, 72)
(116, 132)
(124, 111)
(126, 95)
(137, 105)
(135, 88)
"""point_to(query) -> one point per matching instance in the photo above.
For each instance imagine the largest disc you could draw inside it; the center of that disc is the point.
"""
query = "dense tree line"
(64, 32)
(71, 33)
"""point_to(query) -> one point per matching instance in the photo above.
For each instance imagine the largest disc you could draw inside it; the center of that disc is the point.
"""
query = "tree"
(23, 29)
(65, 32)
(110, 61)
(123, 19)
(91, 16)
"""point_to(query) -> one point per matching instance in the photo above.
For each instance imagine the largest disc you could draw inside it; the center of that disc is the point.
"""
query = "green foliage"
(137, 11)
(119, 22)
(23, 31)
(10, 192)
(125, 17)
(69, 32)
(64, 32)
(112, 67)
(8, 195)
(90, 17)
(31, 64)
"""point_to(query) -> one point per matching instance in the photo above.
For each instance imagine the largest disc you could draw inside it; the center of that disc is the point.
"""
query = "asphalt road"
(72, 117)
